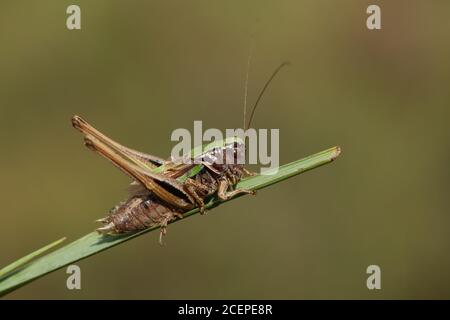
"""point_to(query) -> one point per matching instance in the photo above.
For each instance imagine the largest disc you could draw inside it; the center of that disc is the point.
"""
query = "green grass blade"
(22, 261)
(94, 243)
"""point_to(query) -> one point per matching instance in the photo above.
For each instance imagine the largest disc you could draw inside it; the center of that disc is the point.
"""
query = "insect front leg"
(224, 194)
(249, 173)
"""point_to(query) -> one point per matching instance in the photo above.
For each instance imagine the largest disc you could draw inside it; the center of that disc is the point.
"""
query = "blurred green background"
(139, 69)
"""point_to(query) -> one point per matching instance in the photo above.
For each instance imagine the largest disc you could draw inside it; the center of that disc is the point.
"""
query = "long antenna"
(249, 59)
(262, 93)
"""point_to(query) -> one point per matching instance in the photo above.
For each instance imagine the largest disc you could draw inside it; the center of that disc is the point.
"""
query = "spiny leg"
(223, 193)
(163, 225)
(162, 233)
(249, 173)
(144, 176)
(199, 186)
(84, 127)
(191, 187)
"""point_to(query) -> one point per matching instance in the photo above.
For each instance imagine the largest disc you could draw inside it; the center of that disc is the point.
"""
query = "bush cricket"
(163, 190)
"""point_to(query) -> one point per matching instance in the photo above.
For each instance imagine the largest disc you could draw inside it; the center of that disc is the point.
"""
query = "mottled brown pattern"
(139, 213)
(144, 210)
(158, 198)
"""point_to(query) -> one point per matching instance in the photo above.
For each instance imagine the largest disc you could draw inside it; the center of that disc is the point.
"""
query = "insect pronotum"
(163, 190)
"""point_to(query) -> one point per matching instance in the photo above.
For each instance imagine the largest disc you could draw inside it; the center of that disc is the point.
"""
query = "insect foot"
(228, 195)
(162, 233)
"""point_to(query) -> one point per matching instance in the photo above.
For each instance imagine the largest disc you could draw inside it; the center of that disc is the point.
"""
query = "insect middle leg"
(197, 191)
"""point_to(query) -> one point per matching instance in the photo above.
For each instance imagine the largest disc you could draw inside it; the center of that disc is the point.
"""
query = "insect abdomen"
(136, 214)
